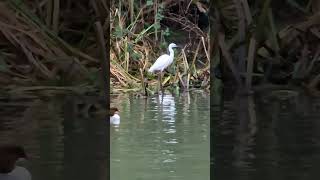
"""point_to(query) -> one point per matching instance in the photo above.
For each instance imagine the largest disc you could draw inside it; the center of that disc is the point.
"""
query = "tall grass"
(137, 41)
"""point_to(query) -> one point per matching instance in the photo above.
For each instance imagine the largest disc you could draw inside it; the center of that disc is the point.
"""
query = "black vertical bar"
(213, 49)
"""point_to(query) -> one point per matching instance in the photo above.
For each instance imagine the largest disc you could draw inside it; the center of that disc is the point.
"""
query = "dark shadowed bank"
(51, 96)
(268, 50)
(261, 48)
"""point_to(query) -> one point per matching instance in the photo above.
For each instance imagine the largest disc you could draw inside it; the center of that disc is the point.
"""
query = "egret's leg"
(145, 87)
(161, 81)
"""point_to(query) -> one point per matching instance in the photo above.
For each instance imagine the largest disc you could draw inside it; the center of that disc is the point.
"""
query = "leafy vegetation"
(140, 32)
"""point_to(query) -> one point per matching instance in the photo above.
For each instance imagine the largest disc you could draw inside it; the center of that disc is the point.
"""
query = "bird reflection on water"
(160, 136)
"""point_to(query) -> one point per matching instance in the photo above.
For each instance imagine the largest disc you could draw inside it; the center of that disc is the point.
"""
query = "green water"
(59, 144)
(161, 138)
(157, 139)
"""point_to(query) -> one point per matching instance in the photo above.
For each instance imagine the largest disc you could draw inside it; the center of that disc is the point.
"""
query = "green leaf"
(149, 2)
(136, 56)
(157, 26)
(164, 45)
(146, 25)
(159, 16)
(118, 32)
(167, 32)
(130, 47)
(161, 6)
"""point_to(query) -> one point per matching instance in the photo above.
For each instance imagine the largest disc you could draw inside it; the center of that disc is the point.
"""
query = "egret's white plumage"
(164, 60)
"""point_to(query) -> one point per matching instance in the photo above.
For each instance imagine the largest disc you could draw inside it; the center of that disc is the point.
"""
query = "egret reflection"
(164, 145)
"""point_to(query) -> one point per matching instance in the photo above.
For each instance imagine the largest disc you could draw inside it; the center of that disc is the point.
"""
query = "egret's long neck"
(171, 52)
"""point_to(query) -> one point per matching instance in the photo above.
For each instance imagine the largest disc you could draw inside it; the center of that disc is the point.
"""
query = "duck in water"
(9, 154)
(114, 116)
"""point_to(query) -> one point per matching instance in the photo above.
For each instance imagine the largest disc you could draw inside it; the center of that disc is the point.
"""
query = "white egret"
(114, 116)
(163, 61)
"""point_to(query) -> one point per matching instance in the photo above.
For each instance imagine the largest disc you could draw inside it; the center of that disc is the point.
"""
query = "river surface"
(60, 144)
(267, 138)
(167, 138)
(158, 138)
(162, 138)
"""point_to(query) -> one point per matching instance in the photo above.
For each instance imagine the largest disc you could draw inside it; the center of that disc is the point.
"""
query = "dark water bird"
(114, 116)
(9, 154)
